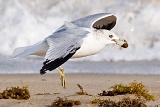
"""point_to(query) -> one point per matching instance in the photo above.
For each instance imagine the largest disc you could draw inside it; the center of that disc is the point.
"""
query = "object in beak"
(124, 45)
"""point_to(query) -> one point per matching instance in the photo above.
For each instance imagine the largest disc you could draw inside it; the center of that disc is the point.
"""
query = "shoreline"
(91, 83)
(102, 67)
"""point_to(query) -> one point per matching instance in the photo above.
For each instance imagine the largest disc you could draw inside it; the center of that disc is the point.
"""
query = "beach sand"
(91, 83)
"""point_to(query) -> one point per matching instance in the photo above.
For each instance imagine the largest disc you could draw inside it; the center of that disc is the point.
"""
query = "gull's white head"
(102, 24)
(109, 36)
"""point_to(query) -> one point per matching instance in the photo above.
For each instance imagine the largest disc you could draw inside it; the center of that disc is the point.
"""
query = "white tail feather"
(39, 48)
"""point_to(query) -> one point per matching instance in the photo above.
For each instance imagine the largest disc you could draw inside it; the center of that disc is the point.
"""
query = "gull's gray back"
(62, 40)
(62, 45)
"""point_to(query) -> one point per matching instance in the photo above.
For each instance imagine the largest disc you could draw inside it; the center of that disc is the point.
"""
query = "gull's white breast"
(91, 45)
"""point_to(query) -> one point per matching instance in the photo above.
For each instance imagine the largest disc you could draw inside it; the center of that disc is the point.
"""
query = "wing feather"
(63, 44)
(99, 21)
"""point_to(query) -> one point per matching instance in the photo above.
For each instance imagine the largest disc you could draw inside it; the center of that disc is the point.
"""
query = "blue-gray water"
(34, 65)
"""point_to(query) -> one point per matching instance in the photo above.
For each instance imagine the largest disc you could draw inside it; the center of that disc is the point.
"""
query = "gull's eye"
(111, 36)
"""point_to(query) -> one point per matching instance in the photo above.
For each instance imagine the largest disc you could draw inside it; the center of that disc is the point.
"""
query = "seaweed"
(16, 93)
(43, 94)
(125, 102)
(46, 93)
(60, 102)
(82, 92)
(108, 93)
(128, 102)
(133, 88)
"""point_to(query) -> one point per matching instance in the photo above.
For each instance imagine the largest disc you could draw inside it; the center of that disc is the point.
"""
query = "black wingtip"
(42, 71)
(53, 64)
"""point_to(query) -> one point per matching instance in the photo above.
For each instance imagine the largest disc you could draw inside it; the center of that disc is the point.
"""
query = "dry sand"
(92, 83)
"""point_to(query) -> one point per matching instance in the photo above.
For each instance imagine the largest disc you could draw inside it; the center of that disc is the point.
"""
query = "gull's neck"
(93, 43)
(99, 34)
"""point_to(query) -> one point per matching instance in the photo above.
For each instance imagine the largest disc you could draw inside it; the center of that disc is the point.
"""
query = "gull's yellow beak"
(124, 45)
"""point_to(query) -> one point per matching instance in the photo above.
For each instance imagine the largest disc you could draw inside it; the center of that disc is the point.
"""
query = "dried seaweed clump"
(82, 92)
(46, 93)
(133, 88)
(43, 94)
(60, 102)
(104, 103)
(107, 93)
(126, 102)
(16, 93)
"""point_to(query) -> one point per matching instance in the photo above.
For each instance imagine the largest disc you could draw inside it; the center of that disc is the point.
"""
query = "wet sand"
(91, 83)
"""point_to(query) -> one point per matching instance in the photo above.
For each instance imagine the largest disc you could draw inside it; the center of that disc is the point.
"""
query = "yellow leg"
(62, 76)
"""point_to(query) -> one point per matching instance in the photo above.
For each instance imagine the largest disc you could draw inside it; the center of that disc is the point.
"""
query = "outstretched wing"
(99, 21)
(63, 44)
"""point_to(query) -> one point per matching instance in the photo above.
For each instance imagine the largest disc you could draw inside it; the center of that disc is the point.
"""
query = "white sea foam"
(25, 22)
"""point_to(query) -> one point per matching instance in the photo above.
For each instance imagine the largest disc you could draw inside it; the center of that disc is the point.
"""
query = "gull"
(82, 37)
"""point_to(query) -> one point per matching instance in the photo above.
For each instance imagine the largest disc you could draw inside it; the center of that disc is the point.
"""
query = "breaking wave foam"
(27, 22)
